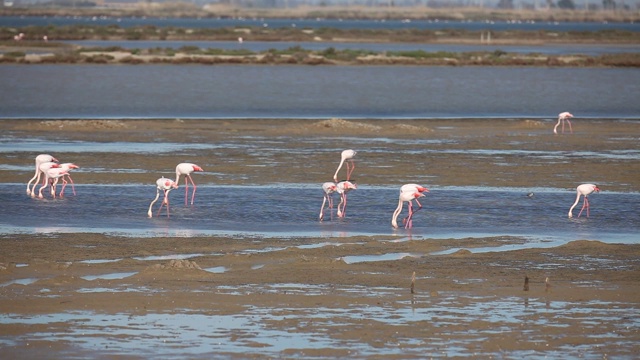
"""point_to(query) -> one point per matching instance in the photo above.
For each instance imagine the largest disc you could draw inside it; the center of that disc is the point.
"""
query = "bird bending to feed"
(43, 169)
(165, 185)
(346, 157)
(67, 167)
(342, 188)
(408, 193)
(562, 117)
(186, 169)
(583, 190)
(40, 159)
(328, 188)
(52, 176)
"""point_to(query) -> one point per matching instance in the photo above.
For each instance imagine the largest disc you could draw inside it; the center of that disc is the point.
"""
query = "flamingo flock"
(52, 172)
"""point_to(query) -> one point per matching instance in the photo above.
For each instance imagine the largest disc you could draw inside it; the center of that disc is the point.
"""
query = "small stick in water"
(526, 283)
(413, 282)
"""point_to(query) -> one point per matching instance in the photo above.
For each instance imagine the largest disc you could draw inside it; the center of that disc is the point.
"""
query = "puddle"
(99, 261)
(111, 276)
(167, 257)
(384, 257)
(25, 281)
(216, 269)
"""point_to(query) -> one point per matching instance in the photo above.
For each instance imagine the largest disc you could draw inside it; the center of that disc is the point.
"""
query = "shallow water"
(291, 210)
(264, 330)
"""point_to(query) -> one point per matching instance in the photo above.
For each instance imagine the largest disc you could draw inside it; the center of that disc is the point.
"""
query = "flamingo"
(53, 175)
(346, 156)
(43, 170)
(67, 167)
(583, 190)
(562, 117)
(328, 188)
(406, 196)
(186, 169)
(40, 159)
(343, 188)
(165, 185)
(412, 188)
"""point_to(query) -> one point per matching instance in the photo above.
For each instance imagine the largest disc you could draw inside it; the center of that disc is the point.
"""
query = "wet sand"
(326, 297)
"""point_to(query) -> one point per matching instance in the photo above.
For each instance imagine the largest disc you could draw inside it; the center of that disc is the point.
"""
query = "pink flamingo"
(186, 169)
(40, 159)
(67, 167)
(583, 190)
(165, 185)
(412, 188)
(346, 156)
(562, 117)
(406, 196)
(328, 188)
(53, 175)
(343, 188)
(43, 170)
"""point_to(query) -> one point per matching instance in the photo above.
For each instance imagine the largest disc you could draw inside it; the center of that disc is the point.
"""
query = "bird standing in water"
(342, 188)
(40, 159)
(328, 188)
(408, 193)
(165, 185)
(186, 169)
(583, 190)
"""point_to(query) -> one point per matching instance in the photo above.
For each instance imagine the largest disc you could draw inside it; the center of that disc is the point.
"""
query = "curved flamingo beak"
(54, 159)
(596, 189)
(73, 166)
(197, 168)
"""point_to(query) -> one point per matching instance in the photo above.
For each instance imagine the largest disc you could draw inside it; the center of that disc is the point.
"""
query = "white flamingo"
(583, 190)
(562, 117)
(342, 188)
(165, 185)
(186, 169)
(52, 176)
(407, 197)
(346, 157)
(40, 159)
(43, 167)
(328, 188)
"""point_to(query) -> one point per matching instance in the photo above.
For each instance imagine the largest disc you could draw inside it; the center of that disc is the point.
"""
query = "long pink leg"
(350, 169)
(72, 187)
(344, 204)
(188, 178)
(165, 201)
(330, 206)
(563, 126)
(585, 203)
(570, 126)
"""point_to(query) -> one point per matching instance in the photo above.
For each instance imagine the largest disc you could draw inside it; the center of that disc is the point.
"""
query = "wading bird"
(165, 185)
(562, 117)
(408, 195)
(328, 188)
(67, 167)
(52, 176)
(43, 170)
(40, 159)
(186, 169)
(346, 157)
(583, 190)
(342, 188)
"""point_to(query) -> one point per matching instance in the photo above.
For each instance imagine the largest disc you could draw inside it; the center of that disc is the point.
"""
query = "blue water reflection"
(292, 210)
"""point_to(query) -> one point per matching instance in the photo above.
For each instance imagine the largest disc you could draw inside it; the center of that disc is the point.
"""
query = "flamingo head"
(422, 189)
(349, 185)
(71, 166)
(418, 195)
(596, 188)
(197, 168)
(565, 115)
(54, 159)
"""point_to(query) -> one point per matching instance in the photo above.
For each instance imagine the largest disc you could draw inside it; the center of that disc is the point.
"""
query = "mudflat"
(101, 296)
